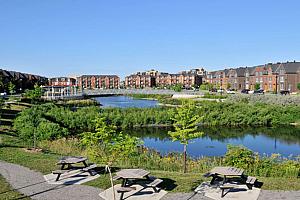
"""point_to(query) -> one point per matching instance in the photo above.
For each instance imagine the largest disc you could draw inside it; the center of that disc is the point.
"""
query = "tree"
(298, 86)
(177, 87)
(32, 126)
(11, 88)
(34, 94)
(257, 86)
(228, 86)
(107, 144)
(185, 123)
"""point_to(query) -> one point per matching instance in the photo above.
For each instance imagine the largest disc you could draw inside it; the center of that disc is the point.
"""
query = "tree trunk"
(111, 181)
(184, 158)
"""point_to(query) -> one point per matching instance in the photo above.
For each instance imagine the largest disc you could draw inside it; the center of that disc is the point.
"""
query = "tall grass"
(264, 166)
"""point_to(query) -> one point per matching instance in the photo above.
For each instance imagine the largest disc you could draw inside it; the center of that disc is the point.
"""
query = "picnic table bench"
(73, 160)
(135, 175)
(227, 173)
(224, 172)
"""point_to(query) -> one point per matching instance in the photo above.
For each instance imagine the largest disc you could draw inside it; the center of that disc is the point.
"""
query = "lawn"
(11, 150)
(8, 193)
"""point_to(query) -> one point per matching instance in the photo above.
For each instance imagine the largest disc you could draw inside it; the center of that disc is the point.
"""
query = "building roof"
(115, 76)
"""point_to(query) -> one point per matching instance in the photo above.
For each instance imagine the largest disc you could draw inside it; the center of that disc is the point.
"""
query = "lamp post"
(276, 84)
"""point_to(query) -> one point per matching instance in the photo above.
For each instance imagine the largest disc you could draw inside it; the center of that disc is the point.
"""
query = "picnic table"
(225, 172)
(69, 160)
(132, 174)
(135, 175)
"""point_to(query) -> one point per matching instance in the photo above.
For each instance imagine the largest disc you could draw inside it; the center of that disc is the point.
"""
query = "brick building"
(154, 78)
(270, 77)
(98, 82)
(62, 81)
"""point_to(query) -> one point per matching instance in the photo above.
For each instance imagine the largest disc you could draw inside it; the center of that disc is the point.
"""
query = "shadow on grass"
(168, 184)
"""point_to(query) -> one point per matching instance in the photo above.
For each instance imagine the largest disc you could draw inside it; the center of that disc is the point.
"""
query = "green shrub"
(239, 156)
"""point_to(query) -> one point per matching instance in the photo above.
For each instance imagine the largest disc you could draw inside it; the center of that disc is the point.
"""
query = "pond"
(125, 102)
(285, 141)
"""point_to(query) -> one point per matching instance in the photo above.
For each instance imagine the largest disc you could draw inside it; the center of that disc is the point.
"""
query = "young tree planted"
(186, 119)
(107, 144)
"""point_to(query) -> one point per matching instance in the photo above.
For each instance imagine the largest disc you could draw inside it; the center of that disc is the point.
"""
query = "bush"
(48, 122)
(239, 156)
(282, 100)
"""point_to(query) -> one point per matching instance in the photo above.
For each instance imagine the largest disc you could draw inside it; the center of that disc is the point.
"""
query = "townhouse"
(271, 77)
(22, 81)
(154, 78)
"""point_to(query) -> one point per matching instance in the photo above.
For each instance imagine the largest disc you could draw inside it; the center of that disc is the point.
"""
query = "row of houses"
(153, 78)
(272, 77)
(21, 81)
(88, 81)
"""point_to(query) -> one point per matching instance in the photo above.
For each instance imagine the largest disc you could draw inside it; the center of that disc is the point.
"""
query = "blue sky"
(73, 37)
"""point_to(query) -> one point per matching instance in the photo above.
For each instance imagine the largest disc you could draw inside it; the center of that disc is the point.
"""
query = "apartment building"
(154, 78)
(271, 77)
(62, 81)
(98, 82)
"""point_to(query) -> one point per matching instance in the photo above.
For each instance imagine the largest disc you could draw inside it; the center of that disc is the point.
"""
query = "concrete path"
(33, 185)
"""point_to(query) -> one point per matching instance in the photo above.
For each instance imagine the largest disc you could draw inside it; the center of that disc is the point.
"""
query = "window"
(256, 80)
(281, 78)
(281, 86)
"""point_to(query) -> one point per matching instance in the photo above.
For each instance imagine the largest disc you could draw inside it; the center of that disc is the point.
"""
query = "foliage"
(32, 126)
(265, 99)
(79, 103)
(206, 86)
(177, 87)
(298, 86)
(48, 122)
(244, 114)
(208, 95)
(129, 117)
(11, 88)
(228, 86)
(185, 120)
(34, 94)
(107, 144)
(273, 166)
(256, 86)
(239, 156)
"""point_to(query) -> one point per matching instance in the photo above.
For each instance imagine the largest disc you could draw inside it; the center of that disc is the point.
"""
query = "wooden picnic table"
(225, 172)
(69, 160)
(132, 174)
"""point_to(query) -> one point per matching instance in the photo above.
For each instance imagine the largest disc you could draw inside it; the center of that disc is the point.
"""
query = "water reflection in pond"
(285, 141)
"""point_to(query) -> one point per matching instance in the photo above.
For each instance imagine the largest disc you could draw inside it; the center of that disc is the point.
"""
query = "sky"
(75, 37)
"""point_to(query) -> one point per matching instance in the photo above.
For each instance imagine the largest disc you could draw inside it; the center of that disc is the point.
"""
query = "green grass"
(11, 151)
(8, 193)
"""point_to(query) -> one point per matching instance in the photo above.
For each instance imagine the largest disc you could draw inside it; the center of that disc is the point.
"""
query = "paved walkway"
(33, 185)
